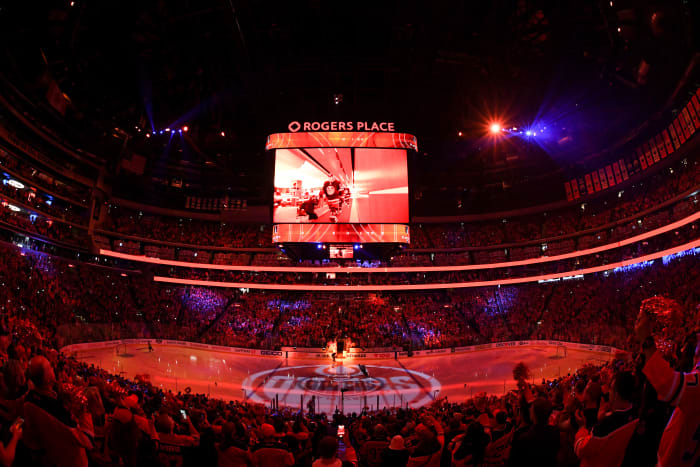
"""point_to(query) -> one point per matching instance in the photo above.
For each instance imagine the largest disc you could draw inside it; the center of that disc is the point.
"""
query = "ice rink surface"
(413, 381)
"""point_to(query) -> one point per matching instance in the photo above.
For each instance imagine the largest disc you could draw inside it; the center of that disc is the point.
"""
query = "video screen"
(341, 251)
(340, 186)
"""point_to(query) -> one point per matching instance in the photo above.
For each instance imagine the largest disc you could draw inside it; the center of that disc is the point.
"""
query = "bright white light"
(495, 128)
(12, 207)
(528, 132)
(16, 184)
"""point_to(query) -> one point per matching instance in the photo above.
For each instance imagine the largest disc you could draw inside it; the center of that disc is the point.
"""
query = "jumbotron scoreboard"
(341, 190)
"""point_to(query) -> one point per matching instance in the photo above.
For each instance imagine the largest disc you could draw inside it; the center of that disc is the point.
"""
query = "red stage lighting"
(185, 128)
(495, 128)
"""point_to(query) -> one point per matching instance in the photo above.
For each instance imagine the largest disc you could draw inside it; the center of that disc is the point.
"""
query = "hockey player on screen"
(332, 188)
(334, 194)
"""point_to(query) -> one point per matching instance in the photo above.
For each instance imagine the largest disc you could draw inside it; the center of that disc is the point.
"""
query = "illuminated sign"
(341, 126)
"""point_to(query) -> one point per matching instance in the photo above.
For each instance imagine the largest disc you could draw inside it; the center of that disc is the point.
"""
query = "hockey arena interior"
(369, 234)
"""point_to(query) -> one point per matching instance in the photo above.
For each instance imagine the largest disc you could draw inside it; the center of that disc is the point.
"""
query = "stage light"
(528, 132)
(319, 246)
(180, 130)
(459, 134)
(160, 132)
(495, 128)
(167, 129)
(223, 134)
(148, 135)
(185, 128)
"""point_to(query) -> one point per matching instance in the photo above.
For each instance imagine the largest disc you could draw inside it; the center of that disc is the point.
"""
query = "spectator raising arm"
(680, 443)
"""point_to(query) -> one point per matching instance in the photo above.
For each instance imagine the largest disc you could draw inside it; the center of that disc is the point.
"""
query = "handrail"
(42, 187)
(43, 238)
(524, 243)
(401, 269)
(43, 213)
(191, 246)
(430, 286)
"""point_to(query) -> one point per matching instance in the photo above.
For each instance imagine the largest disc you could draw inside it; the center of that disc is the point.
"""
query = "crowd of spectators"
(189, 231)
(49, 229)
(624, 204)
(84, 301)
(55, 410)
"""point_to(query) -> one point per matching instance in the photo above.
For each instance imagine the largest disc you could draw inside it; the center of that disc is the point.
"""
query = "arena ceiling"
(233, 71)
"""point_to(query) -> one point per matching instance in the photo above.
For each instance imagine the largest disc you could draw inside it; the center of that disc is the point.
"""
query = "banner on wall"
(650, 152)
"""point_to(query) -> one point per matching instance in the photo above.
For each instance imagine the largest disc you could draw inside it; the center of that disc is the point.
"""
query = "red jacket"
(680, 442)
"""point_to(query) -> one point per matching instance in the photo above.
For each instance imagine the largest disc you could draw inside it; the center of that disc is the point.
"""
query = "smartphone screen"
(184, 414)
(341, 431)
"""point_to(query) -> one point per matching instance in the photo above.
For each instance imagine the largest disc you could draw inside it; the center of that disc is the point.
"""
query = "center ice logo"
(330, 381)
